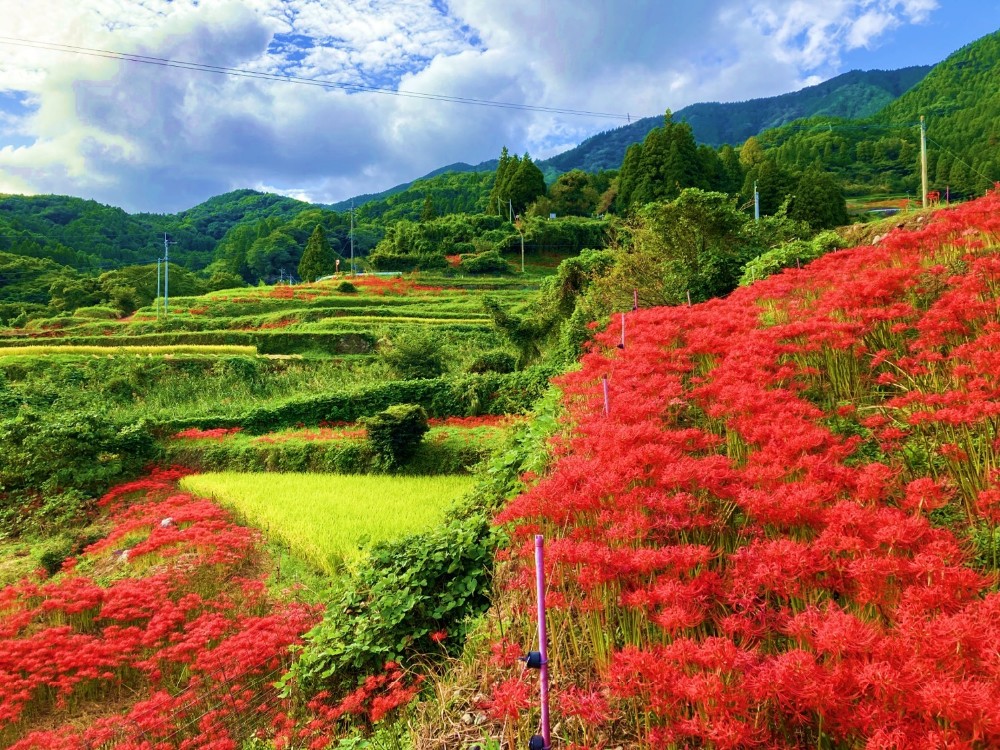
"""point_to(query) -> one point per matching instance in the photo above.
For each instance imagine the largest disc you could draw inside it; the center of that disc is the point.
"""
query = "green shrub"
(405, 591)
(796, 252)
(54, 461)
(347, 287)
(495, 360)
(416, 354)
(488, 262)
(97, 312)
(395, 433)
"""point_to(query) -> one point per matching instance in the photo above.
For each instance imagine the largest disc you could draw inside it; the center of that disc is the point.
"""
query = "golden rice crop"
(329, 519)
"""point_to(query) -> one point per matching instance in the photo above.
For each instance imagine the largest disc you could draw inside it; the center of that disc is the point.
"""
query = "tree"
(774, 184)
(573, 194)
(819, 201)
(428, 212)
(665, 163)
(525, 185)
(500, 191)
(695, 244)
(318, 259)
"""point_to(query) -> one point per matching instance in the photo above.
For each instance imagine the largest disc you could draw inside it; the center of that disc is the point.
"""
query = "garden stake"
(543, 673)
(622, 344)
(607, 404)
(689, 298)
(635, 299)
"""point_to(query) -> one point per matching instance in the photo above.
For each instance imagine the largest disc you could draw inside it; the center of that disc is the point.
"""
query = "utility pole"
(352, 237)
(923, 158)
(156, 300)
(166, 274)
(756, 202)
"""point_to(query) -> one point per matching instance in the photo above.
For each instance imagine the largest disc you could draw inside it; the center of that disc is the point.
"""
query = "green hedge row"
(473, 394)
(267, 342)
(338, 457)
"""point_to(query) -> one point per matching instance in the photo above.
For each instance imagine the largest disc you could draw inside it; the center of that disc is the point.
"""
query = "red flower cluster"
(165, 613)
(742, 552)
(392, 285)
(216, 433)
(377, 697)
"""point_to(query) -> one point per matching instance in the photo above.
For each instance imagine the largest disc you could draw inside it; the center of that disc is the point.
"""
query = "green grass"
(111, 348)
(328, 519)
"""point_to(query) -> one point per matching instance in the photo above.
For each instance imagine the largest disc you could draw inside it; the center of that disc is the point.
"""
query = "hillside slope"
(961, 103)
(850, 95)
(782, 530)
(87, 235)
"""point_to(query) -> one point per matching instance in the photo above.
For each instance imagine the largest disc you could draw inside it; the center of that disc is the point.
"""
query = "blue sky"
(950, 28)
(151, 138)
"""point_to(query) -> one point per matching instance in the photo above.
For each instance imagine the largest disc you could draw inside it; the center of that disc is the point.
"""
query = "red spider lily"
(741, 549)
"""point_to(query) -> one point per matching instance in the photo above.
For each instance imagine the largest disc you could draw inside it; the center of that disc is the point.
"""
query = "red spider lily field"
(777, 529)
(164, 635)
(783, 530)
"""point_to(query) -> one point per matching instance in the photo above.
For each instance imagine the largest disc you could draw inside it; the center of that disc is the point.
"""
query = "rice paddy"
(329, 519)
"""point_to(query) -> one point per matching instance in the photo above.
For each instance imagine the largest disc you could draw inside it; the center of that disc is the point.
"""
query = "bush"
(407, 590)
(347, 287)
(97, 312)
(416, 355)
(495, 360)
(267, 342)
(792, 253)
(488, 262)
(395, 433)
(53, 462)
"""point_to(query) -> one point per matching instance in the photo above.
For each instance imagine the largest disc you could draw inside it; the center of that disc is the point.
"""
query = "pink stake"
(622, 344)
(542, 638)
(607, 403)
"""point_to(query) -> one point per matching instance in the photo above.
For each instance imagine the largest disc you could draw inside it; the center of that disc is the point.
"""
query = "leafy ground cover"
(783, 529)
(328, 519)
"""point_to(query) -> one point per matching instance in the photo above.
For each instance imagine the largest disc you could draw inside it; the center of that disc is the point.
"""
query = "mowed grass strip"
(328, 519)
(15, 351)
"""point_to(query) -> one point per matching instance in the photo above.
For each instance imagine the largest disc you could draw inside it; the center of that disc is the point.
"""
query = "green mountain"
(851, 95)
(88, 236)
(457, 188)
(961, 103)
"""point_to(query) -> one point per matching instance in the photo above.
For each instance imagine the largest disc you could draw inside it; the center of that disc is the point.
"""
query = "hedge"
(267, 342)
(337, 457)
(466, 395)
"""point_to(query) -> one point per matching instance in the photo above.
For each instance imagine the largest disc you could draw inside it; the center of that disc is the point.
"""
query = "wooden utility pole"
(923, 158)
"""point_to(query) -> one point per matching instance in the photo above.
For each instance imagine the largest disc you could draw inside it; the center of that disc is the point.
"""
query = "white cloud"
(155, 138)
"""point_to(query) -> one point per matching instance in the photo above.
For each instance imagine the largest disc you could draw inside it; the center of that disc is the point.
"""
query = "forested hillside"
(851, 95)
(961, 103)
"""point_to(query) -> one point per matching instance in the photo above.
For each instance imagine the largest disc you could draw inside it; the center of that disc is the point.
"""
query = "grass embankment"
(158, 351)
(329, 518)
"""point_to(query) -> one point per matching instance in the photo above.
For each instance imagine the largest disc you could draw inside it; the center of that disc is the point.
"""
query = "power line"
(960, 159)
(286, 78)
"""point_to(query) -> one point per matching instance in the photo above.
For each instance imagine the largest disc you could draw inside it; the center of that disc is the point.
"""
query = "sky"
(157, 138)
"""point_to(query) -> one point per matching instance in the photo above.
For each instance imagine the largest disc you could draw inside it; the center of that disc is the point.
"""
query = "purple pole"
(542, 638)
(607, 403)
